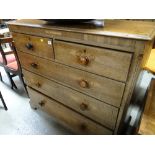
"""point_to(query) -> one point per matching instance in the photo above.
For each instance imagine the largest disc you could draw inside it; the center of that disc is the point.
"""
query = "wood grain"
(67, 117)
(125, 43)
(147, 125)
(42, 47)
(134, 74)
(109, 63)
(115, 28)
(104, 89)
(118, 43)
(96, 110)
(150, 102)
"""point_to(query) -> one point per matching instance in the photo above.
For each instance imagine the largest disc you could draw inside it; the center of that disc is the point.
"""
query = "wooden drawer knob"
(84, 84)
(29, 46)
(34, 65)
(84, 60)
(41, 103)
(38, 84)
(83, 106)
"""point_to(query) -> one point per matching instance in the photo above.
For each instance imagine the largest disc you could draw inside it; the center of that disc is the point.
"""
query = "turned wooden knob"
(29, 46)
(41, 103)
(84, 60)
(83, 106)
(34, 65)
(140, 56)
(38, 84)
(84, 84)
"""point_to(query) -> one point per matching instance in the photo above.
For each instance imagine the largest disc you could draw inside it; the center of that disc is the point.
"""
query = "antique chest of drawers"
(83, 75)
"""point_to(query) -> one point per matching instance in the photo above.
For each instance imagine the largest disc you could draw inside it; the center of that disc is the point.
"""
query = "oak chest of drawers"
(83, 76)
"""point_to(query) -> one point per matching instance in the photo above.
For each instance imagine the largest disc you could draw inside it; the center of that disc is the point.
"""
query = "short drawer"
(104, 89)
(66, 116)
(104, 62)
(39, 46)
(94, 109)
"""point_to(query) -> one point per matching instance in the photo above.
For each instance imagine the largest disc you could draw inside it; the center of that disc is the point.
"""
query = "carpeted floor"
(20, 119)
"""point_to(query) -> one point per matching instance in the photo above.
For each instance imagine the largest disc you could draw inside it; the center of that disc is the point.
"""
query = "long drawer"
(39, 46)
(105, 62)
(75, 121)
(104, 89)
(94, 109)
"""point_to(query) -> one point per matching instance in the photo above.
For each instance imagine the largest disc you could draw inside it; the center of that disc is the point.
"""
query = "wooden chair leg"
(23, 83)
(1, 77)
(5, 107)
(11, 81)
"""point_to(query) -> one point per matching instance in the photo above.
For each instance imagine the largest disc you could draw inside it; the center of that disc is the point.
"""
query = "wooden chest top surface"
(116, 28)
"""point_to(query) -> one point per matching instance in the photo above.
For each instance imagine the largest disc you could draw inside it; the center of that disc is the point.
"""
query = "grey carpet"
(20, 119)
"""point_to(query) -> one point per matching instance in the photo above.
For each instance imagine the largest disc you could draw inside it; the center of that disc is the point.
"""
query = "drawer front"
(42, 47)
(94, 109)
(118, 43)
(101, 61)
(66, 116)
(104, 89)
